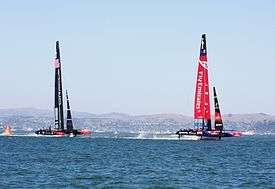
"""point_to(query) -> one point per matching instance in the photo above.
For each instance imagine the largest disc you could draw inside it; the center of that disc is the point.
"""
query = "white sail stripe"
(203, 64)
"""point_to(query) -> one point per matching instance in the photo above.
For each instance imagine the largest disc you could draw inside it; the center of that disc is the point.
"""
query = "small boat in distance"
(59, 129)
(7, 131)
(202, 115)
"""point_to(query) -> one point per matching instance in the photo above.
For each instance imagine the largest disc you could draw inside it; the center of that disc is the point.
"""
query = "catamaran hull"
(58, 133)
(214, 134)
(190, 134)
(231, 134)
(198, 137)
(190, 137)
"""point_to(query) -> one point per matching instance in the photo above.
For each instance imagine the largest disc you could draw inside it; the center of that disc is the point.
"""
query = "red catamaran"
(202, 113)
(59, 129)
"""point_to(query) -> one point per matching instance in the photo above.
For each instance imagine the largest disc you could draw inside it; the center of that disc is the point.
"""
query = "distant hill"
(34, 112)
(31, 118)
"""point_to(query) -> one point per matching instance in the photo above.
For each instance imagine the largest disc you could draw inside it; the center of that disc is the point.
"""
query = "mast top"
(203, 50)
(57, 45)
(57, 50)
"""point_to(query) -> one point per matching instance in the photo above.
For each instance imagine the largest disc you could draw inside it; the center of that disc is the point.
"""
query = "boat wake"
(151, 136)
(249, 133)
(148, 138)
(20, 135)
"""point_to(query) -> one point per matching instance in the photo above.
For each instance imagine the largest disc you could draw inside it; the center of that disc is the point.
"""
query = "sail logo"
(203, 64)
(199, 91)
(56, 63)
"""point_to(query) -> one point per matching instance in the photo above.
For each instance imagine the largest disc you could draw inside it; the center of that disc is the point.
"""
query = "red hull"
(216, 133)
(85, 132)
(60, 133)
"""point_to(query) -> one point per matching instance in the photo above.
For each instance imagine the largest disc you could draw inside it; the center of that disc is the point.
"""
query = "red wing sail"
(202, 116)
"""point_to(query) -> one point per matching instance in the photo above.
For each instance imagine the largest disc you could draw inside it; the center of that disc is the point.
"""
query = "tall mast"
(203, 58)
(202, 116)
(218, 117)
(69, 123)
(58, 95)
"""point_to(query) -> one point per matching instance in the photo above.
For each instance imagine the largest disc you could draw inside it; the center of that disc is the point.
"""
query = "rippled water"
(40, 162)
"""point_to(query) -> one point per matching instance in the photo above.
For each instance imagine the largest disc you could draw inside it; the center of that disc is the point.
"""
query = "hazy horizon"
(138, 57)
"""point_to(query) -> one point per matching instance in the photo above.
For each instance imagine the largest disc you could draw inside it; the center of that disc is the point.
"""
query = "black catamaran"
(59, 129)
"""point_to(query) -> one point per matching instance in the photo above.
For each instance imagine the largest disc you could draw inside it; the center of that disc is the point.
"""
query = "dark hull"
(51, 132)
(189, 133)
(207, 134)
(231, 134)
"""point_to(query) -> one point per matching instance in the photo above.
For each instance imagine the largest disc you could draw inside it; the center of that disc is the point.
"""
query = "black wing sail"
(69, 123)
(58, 95)
(218, 117)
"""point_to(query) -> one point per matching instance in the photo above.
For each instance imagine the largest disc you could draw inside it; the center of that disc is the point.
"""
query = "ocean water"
(135, 162)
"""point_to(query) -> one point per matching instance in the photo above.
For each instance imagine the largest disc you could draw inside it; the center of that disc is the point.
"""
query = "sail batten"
(202, 114)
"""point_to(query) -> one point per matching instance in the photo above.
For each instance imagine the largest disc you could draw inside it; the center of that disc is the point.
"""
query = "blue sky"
(138, 57)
